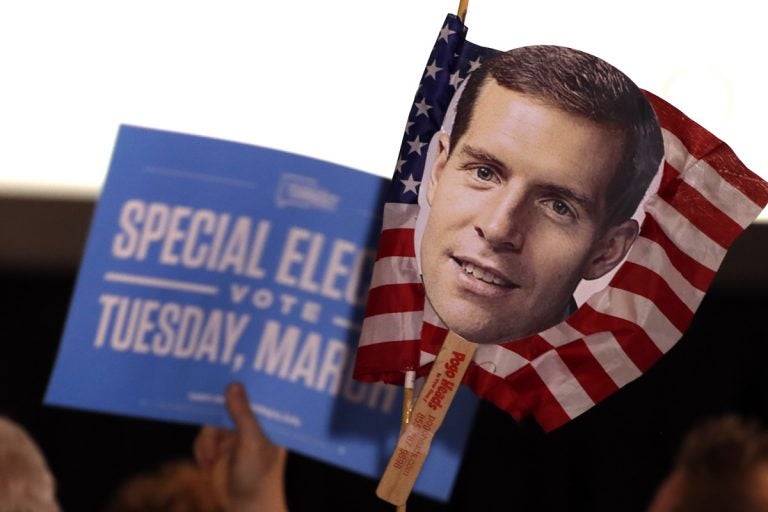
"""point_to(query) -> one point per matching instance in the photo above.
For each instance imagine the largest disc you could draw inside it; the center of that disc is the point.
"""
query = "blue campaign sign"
(210, 261)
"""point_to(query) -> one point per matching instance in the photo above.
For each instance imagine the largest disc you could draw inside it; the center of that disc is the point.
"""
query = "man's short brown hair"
(587, 86)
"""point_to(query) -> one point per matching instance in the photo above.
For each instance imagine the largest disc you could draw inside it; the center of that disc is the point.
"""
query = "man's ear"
(443, 147)
(611, 249)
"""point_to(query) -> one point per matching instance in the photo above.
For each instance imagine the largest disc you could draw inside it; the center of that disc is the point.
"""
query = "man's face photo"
(520, 214)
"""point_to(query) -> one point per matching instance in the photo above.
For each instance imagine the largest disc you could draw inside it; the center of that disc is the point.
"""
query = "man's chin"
(471, 322)
(486, 335)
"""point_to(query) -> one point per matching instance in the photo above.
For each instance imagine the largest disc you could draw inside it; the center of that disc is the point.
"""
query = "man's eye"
(484, 173)
(560, 207)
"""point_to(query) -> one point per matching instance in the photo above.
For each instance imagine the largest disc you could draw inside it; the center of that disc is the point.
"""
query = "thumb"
(239, 409)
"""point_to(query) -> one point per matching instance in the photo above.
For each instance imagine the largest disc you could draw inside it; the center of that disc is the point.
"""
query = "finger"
(211, 444)
(240, 411)
(204, 447)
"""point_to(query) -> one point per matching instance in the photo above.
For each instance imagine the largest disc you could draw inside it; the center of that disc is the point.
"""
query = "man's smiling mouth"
(483, 274)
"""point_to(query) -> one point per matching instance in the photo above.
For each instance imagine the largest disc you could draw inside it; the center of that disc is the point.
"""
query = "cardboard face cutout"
(515, 214)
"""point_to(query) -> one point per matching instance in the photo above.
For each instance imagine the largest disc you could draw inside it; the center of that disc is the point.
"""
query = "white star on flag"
(455, 80)
(422, 107)
(399, 166)
(416, 145)
(410, 185)
(445, 33)
(474, 64)
(432, 70)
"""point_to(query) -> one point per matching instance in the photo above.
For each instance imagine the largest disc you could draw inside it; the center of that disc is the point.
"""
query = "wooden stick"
(462, 12)
(410, 378)
(405, 418)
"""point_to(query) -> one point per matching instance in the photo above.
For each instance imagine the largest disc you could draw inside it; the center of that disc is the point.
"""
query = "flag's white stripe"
(561, 334)
(391, 327)
(651, 255)
(722, 194)
(612, 358)
(498, 360)
(425, 358)
(708, 182)
(395, 270)
(685, 235)
(639, 310)
(562, 384)
(399, 215)
(675, 152)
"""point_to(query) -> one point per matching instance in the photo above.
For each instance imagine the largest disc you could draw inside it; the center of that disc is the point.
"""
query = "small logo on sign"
(304, 192)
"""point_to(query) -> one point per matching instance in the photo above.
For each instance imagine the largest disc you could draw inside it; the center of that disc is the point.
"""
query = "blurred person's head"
(26, 482)
(722, 467)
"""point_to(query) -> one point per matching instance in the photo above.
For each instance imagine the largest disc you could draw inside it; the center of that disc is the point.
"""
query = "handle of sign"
(428, 414)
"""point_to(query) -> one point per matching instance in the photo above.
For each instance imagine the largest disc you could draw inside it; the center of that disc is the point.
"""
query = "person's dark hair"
(719, 463)
(583, 85)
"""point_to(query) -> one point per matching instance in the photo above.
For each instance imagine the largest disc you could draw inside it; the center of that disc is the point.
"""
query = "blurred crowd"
(721, 466)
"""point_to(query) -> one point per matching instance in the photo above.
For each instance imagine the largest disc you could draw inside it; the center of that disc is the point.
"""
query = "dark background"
(611, 458)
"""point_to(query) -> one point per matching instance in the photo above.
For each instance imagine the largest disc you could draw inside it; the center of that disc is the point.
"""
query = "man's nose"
(502, 220)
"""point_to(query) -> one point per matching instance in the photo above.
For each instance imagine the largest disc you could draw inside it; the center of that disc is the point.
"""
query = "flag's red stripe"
(668, 176)
(432, 337)
(703, 214)
(695, 138)
(496, 390)
(520, 394)
(396, 242)
(386, 359)
(643, 281)
(638, 346)
(530, 347)
(395, 298)
(542, 404)
(696, 273)
(701, 144)
(732, 170)
(587, 370)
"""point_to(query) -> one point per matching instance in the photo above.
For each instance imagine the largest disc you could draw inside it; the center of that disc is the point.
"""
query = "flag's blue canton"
(451, 60)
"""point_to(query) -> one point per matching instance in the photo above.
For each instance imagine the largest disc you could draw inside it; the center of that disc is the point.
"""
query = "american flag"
(705, 199)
